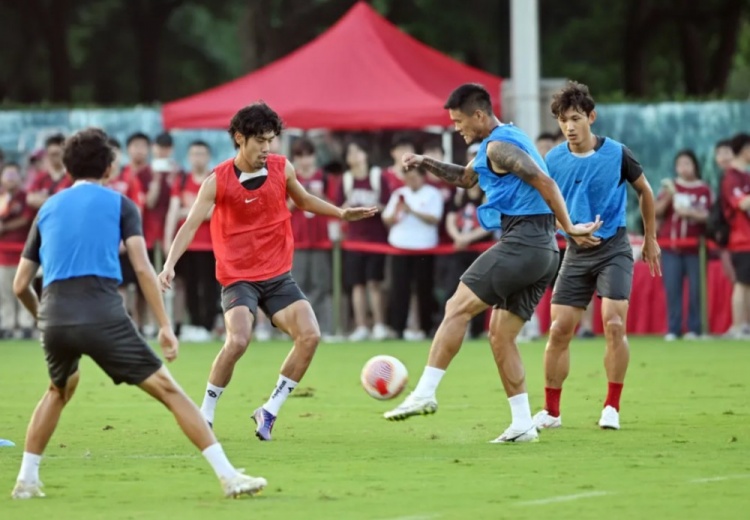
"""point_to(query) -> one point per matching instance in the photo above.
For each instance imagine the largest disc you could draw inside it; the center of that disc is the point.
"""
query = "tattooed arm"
(461, 176)
(506, 157)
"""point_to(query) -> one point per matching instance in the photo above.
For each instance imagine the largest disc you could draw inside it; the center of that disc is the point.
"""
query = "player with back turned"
(592, 172)
(76, 240)
(512, 275)
(253, 243)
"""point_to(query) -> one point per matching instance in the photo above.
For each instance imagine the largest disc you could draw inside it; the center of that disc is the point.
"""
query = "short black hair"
(88, 154)
(740, 141)
(724, 143)
(255, 119)
(200, 142)
(690, 155)
(433, 144)
(401, 139)
(137, 136)
(573, 95)
(164, 140)
(469, 98)
(114, 143)
(547, 136)
(55, 139)
(359, 143)
(302, 147)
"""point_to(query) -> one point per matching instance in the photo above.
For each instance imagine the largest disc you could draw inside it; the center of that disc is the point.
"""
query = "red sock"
(613, 395)
(552, 401)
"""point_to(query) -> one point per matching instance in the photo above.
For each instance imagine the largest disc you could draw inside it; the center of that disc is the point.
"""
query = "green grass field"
(683, 452)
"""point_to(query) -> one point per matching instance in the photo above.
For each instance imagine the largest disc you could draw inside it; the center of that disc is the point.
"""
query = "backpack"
(375, 180)
(717, 225)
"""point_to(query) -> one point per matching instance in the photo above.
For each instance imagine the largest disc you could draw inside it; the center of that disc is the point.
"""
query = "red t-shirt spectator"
(11, 242)
(734, 187)
(186, 188)
(125, 184)
(311, 230)
(45, 183)
(153, 218)
(695, 195)
(363, 194)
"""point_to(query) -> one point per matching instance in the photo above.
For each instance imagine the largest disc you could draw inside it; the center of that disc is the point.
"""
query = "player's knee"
(308, 341)
(60, 395)
(237, 343)
(500, 340)
(614, 326)
(560, 334)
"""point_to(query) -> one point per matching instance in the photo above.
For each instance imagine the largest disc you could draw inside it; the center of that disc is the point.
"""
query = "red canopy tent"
(362, 74)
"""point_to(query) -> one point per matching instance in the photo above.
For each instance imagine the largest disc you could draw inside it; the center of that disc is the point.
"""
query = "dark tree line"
(140, 51)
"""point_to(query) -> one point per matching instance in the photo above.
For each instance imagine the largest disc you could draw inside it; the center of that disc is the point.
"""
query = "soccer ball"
(384, 377)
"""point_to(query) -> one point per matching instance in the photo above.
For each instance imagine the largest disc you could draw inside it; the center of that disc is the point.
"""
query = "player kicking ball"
(591, 172)
(76, 239)
(512, 275)
(253, 243)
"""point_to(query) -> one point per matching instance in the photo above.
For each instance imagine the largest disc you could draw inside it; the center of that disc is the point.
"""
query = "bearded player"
(593, 173)
(252, 240)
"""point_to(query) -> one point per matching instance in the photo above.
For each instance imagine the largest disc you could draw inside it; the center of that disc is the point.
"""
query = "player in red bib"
(252, 239)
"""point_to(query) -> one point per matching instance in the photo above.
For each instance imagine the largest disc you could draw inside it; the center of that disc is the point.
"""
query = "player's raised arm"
(308, 202)
(455, 174)
(202, 205)
(507, 157)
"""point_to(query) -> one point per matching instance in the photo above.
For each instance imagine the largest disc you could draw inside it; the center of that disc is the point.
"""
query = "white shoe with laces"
(242, 484)
(26, 490)
(513, 435)
(543, 421)
(412, 406)
(610, 419)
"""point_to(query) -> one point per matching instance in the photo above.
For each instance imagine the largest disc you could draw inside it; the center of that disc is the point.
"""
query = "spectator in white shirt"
(412, 215)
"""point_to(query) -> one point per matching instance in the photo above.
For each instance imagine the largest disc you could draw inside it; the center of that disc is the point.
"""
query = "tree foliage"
(141, 51)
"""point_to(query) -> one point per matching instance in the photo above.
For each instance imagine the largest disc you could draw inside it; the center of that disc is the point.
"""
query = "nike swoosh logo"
(248, 201)
(578, 181)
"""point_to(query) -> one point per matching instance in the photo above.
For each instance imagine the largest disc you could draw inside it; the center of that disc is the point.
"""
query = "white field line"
(563, 498)
(115, 456)
(708, 480)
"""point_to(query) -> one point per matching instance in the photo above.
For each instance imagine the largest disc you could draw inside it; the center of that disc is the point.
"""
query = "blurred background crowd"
(399, 268)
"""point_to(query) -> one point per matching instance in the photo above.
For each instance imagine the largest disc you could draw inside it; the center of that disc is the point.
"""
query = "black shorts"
(196, 263)
(271, 295)
(606, 269)
(512, 276)
(360, 268)
(741, 264)
(128, 273)
(115, 346)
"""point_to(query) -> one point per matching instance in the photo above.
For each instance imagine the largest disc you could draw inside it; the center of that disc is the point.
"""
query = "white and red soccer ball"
(384, 377)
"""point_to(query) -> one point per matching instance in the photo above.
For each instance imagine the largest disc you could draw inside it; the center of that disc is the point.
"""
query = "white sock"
(208, 408)
(218, 459)
(521, 412)
(29, 467)
(429, 382)
(284, 387)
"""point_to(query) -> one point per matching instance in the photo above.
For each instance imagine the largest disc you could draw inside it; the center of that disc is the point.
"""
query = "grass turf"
(683, 451)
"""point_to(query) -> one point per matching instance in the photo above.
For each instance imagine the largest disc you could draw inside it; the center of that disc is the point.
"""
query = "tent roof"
(362, 74)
